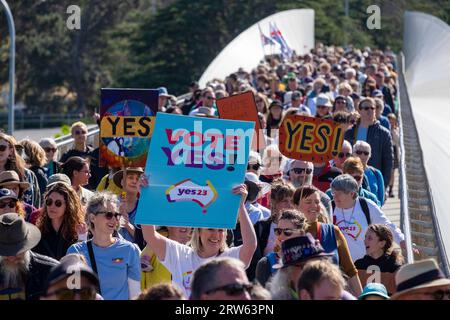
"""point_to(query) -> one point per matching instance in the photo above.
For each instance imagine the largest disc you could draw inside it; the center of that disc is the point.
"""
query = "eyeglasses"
(3, 147)
(69, 294)
(287, 232)
(109, 215)
(50, 149)
(367, 108)
(344, 155)
(11, 204)
(439, 294)
(49, 202)
(301, 170)
(233, 289)
(360, 152)
(255, 166)
(78, 132)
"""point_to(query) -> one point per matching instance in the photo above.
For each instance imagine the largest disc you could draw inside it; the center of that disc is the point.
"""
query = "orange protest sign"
(242, 107)
(310, 139)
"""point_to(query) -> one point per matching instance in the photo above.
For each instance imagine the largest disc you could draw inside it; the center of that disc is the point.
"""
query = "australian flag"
(276, 35)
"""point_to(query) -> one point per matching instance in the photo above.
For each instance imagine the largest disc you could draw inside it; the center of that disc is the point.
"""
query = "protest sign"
(192, 166)
(310, 139)
(242, 107)
(126, 124)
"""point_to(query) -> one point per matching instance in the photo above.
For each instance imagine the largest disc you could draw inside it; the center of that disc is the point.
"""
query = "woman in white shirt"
(182, 260)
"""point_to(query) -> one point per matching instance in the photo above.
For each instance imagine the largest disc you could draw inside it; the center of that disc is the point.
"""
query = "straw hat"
(418, 275)
(118, 176)
(11, 177)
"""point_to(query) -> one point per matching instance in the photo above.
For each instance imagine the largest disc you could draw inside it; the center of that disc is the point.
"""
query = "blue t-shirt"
(362, 134)
(115, 264)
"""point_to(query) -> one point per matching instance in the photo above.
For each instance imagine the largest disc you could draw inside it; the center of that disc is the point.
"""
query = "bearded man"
(22, 272)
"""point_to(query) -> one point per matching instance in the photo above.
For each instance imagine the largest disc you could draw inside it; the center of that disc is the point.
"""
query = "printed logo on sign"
(187, 190)
(351, 228)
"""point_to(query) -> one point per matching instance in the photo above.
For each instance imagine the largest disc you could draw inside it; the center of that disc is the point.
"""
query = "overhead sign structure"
(192, 166)
(310, 139)
(126, 126)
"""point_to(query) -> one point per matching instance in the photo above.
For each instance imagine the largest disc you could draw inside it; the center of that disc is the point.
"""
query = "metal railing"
(418, 208)
(65, 143)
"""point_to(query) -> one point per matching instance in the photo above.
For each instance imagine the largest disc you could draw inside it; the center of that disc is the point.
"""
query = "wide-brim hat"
(300, 249)
(11, 177)
(418, 275)
(17, 235)
(118, 176)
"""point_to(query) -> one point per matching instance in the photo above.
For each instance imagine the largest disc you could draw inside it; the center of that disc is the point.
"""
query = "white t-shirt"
(182, 261)
(353, 224)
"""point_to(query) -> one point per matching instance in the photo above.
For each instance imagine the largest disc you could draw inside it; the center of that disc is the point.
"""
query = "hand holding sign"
(310, 139)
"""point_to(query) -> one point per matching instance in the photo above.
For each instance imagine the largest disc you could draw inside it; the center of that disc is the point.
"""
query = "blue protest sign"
(193, 164)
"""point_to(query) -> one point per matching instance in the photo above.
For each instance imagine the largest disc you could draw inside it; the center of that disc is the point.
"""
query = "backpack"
(364, 207)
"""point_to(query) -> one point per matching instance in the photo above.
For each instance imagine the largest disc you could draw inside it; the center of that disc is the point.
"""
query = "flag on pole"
(265, 40)
(276, 35)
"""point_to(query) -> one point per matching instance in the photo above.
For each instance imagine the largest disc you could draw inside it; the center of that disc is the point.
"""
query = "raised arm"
(248, 232)
(155, 241)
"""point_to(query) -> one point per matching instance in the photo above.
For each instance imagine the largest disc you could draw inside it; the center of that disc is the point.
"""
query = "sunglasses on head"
(78, 132)
(3, 147)
(301, 170)
(11, 204)
(109, 215)
(50, 149)
(233, 289)
(359, 152)
(342, 155)
(69, 294)
(254, 166)
(367, 108)
(49, 202)
(287, 232)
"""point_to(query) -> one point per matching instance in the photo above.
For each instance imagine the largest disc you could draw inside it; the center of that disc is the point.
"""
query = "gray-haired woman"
(116, 261)
(353, 215)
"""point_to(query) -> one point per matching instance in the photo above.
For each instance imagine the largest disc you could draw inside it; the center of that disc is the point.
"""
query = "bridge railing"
(418, 212)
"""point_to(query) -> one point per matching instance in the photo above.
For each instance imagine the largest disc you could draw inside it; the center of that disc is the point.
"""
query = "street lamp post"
(12, 56)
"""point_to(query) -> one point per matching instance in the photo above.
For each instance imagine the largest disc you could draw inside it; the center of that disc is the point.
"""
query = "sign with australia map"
(192, 166)
(126, 124)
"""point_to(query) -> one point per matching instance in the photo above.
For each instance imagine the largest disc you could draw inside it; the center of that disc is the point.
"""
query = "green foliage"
(121, 43)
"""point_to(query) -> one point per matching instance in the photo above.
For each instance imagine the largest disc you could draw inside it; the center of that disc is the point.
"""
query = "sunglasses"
(440, 294)
(341, 101)
(50, 149)
(321, 107)
(301, 170)
(11, 204)
(233, 289)
(287, 232)
(69, 294)
(78, 132)
(210, 98)
(357, 178)
(367, 108)
(49, 202)
(255, 166)
(3, 147)
(359, 152)
(344, 155)
(109, 215)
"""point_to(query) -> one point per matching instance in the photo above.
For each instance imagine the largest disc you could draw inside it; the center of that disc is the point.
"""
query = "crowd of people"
(305, 231)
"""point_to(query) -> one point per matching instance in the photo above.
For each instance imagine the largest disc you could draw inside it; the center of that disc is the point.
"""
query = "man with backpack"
(353, 215)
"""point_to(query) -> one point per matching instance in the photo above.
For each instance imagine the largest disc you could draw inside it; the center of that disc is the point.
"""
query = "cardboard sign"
(192, 166)
(242, 107)
(310, 139)
(126, 126)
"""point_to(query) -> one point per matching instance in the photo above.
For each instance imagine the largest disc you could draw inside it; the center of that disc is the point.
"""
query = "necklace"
(348, 222)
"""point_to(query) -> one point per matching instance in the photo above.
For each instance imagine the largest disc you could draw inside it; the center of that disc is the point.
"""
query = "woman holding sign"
(182, 260)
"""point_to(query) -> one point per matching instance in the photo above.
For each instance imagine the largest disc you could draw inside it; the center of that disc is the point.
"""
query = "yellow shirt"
(153, 271)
